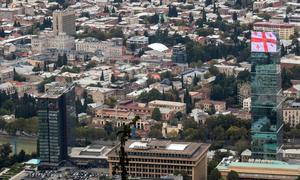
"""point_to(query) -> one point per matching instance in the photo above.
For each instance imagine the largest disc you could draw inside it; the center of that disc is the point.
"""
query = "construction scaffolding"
(266, 100)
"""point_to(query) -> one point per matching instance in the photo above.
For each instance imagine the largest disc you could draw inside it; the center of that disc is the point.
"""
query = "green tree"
(156, 114)
(204, 14)
(155, 132)
(232, 175)
(18, 77)
(286, 79)
(2, 33)
(191, 17)
(187, 99)
(102, 76)
(21, 156)
(120, 18)
(234, 17)
(111, 102)
(208, 2)
(214, 175)
(146, 97)
(113, 78)
(196, 79)
(113, 10)
(286, 19)
(79, 106)
(241, 145)
(124, 134)
(211, 165)
(64, 59)
(59, 62)
(179, 115)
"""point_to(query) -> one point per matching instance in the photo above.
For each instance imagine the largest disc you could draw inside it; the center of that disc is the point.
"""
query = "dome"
(158, 47)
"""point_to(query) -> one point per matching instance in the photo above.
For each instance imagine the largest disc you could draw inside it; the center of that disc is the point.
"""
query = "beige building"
(120, 117)
(6, 74)
(175, 106)
(206, 105)
(247, 104)
(150, 158)
(244, 91)
(62, 41)
(8, 88)
(284, 30)
(291, 114)
(99, 94)
(111, 48)
(64, 21)
(171, 131)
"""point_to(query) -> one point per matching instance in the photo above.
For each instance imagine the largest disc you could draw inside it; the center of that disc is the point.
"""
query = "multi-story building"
(8, 88)
(47, 40)
(266, 104)
(118, 116)
(284, 30)
(247, 104)
(112, 48)
(175, 106)
(291, 114)
(150, 158)
(179, 54)
(259, 169)
(138, 109)
(207, 105)
(171, 131)
(57, 117)
(64, 21)
(244, 91)
(6, 74)
(99, 95)
(9, 13)
(136, 42)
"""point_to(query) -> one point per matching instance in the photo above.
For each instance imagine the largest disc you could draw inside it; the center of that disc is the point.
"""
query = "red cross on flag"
(263, 42)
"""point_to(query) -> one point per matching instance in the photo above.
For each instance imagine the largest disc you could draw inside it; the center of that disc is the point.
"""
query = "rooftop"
(165, 147)
(170, 103)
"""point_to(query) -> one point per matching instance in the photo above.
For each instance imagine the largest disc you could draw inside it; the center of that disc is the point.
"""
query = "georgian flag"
(263, 42)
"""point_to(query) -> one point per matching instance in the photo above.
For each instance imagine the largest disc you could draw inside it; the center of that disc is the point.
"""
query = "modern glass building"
(179, 54)
(57, 116)
(266, 98)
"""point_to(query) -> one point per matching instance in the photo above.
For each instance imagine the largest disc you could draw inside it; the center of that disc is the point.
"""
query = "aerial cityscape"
(149, 89)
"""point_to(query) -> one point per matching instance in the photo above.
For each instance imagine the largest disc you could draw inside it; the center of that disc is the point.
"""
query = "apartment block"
(284, 30)
(64, 21)
(175, 106)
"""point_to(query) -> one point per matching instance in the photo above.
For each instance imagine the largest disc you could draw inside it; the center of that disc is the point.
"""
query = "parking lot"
(73, 173)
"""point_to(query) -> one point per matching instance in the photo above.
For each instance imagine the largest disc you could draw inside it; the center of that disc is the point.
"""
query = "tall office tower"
(266, 96)
(64, 21)
(57, 117)
(179, 54)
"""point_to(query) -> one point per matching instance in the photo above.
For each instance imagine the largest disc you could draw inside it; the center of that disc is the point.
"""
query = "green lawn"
(27, 144)
(14, 169)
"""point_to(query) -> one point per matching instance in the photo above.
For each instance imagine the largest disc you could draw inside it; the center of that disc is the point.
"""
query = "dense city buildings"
(165, 76)
(57, 117)
(150, 158)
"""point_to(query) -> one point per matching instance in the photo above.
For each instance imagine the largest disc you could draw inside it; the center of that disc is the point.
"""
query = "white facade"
(247, 104)
(48, 40)
(109, 48)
